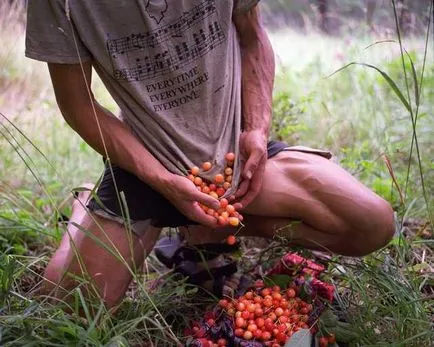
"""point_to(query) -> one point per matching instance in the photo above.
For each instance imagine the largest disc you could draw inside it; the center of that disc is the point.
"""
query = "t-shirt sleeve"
(241, 6)
(51, 35)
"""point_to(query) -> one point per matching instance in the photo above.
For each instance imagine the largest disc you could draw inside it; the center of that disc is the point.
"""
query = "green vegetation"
(386, 297)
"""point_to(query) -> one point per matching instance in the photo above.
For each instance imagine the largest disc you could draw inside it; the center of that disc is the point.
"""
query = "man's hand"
(253, 149)
(183, 194)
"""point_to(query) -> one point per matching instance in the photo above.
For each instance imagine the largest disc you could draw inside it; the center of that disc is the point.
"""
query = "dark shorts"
(144, 203)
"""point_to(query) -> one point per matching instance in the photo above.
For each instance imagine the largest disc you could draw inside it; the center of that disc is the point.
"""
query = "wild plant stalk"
(413, 115)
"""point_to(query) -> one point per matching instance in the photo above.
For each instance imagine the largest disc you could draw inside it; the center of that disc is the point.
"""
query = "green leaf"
(278, 280)
(389, 80)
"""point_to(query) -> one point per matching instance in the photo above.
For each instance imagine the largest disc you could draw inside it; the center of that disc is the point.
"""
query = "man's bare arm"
(258, 69)
(110, 136)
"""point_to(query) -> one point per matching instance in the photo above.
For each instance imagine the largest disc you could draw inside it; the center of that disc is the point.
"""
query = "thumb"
(206, 200)
(251, 165)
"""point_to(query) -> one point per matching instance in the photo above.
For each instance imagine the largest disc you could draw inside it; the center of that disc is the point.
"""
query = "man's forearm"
(258, 69)
(113, 138)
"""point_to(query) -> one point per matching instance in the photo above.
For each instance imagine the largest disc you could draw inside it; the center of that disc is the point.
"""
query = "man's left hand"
(253, 150)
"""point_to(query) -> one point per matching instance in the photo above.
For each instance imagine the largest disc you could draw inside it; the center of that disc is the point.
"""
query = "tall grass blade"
(388, 79)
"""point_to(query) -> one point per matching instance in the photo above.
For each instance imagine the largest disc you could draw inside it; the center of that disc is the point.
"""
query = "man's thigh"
(317, 191)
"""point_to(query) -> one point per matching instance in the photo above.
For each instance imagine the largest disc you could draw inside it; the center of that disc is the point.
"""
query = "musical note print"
(169, 48)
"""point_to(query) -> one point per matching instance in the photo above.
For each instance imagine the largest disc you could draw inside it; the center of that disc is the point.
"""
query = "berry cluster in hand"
(226, 214)
(269, 315)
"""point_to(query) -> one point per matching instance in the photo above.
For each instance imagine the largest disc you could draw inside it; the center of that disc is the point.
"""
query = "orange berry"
(213, 194)
(219, 179)
(210, 212)
(226, 185)
(247, 335)
(234, 221)
(224, 203)
(229, 179)
(198, 181)
(228, 171)
(195, 170)
(230, 209)
(222, 221)
(231, 240)
(191, 177)
(206, 166)
(224, 214)
(206, 190)
(230, 156)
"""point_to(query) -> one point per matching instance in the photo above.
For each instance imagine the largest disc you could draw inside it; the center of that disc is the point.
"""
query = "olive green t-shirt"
(172, 66)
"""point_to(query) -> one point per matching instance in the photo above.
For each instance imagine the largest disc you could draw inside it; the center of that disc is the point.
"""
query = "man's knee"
(53, 283)
(370, 231)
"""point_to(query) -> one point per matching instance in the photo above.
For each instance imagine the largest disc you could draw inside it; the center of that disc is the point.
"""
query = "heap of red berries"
(270, 314)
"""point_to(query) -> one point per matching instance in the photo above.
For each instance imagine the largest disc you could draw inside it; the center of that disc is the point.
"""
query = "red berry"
(290, 293)
(265, 292)
(323, 341)
(240, 322)
(281, 337)
(224, 203)
(231, 240)
(223, 221)
(230, 156)
(260, 322)
(331, 338)
(276, 296)
(239, 332)
(266, 335)
(223, 303)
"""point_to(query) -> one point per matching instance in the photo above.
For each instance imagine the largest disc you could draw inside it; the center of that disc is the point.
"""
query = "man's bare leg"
(314, 203)
(110, 275)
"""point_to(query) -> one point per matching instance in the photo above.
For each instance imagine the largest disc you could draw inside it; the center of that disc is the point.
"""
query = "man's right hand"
(183, 194)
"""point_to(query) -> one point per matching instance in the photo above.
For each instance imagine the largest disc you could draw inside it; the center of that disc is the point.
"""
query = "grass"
(387, 296)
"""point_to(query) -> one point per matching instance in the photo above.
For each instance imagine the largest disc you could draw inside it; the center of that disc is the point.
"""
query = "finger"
(238, 206)
(199, 215)
(242, 189)
(252, 164)
(206, 200)
(254, 187)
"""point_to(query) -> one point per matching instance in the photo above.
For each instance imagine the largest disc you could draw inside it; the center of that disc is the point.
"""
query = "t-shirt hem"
(55, 59)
